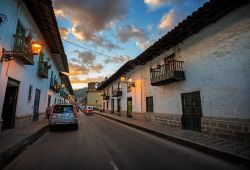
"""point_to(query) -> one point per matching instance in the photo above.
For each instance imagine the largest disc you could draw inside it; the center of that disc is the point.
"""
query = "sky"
(99, 36)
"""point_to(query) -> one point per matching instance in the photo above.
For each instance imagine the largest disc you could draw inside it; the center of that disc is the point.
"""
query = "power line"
(70, 42)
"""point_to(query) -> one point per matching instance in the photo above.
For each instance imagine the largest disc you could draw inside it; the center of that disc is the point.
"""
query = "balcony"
(117, 92)
(167, 73)
(43, 69)
(105, 97)
(54, 85)
(22, 49)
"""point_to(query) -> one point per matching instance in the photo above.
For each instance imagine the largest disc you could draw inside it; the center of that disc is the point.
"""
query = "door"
(118, 105)
(9, 105)
(129, 107)
(192, 112)
(149, 104)
(36, 105)
(112, 106)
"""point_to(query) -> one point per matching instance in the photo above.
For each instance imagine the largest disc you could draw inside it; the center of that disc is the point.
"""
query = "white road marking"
(114, 165)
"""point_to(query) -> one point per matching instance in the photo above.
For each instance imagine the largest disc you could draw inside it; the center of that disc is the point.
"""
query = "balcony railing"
(43, 69)
(22, 49)
(167, 73)
(117, 92)
(54, 85)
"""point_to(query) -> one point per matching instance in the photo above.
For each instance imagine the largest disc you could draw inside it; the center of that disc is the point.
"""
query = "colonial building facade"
(30, 82)
(196, 77)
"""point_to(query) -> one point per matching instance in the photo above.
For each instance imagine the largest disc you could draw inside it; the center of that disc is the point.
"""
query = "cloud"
(96, 68)
(64, 32)
(97, 40)
(87, 58)
(77, 80)
(178, 10)
(89, 17)
(168, 20)
(130, 31)
(117, 59)
(153, 4)
(76, 70)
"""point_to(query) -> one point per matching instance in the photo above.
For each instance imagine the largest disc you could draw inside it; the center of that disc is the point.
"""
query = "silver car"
(63, 114)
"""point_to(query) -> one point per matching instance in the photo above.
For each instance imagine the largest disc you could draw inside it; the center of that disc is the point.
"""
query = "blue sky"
(110, 32)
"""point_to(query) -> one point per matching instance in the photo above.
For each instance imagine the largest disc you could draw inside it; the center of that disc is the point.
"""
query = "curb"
(232, 158)
(9, 154)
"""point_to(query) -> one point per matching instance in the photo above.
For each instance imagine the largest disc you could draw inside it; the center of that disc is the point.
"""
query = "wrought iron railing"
(166, 71)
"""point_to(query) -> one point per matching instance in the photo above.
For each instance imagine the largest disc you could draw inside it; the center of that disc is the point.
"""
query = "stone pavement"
(13, 141)
(230, 151)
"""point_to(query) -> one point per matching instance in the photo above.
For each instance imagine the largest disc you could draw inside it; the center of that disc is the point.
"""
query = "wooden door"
(36, 105)
(192, 111)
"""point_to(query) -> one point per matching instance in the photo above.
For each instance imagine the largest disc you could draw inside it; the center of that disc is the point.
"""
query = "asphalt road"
(102, 144)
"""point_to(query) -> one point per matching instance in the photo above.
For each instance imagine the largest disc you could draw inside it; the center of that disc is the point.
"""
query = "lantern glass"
(36, 47)
(122, 79)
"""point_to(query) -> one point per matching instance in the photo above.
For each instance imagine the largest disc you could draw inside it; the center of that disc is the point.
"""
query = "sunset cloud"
(132, 32)
(76, 80)
(168, 20)
(89, 17)
(117, 59)
(64, 32)
(76, 70)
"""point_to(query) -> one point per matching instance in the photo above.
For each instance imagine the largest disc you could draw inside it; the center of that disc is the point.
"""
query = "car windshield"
(63, 109)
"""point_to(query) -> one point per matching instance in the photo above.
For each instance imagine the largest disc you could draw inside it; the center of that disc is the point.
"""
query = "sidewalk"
(13, 141)
(227, 150)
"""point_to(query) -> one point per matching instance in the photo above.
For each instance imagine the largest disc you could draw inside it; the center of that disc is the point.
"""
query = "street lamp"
(129, 81)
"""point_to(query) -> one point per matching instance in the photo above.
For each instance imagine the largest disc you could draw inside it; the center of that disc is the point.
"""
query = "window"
(19, 42)
(107, 105)
(149, 104)
(119, 85)
(169, 59)
(30, 93)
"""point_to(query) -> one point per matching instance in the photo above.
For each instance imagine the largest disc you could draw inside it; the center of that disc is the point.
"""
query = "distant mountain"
(81, 93)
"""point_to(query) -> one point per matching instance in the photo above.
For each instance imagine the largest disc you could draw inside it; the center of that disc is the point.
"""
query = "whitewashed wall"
(216, 63)
(26, 74)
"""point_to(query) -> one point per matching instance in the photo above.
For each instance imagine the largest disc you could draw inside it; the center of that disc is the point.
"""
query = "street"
(102, 144)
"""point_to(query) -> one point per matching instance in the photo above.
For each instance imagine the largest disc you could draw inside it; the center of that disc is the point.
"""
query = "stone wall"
(232, 129)
(170, 120)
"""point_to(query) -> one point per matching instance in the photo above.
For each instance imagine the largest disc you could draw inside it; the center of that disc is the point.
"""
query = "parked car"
(89, 110)
(63, 114)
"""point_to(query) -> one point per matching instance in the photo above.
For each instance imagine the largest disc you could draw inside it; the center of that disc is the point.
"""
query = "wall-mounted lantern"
(129, 81)
(36, 47)
(24, 47)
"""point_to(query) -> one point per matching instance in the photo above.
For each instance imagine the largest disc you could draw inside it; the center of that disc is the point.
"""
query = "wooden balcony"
(117, 92)
(43, 69)
(167, 73)
(22, 49)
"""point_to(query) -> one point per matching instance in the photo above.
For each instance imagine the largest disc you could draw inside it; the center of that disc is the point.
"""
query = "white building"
(196, 77)
(29, 83)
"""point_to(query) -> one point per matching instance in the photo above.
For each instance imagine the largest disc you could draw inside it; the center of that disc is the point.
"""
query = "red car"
(89, 110)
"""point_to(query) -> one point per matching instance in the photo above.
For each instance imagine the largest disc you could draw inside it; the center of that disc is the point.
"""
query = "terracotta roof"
(209, 13)
(43, 13)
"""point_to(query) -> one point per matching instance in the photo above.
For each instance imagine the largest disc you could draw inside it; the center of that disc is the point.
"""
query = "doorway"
(118, 105)
(129, 107)
(112, 106)
(36, 105)
(9, 105)
(192, 111)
